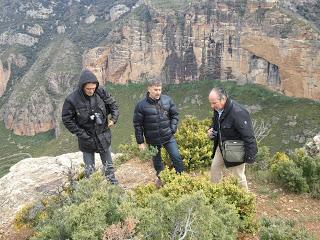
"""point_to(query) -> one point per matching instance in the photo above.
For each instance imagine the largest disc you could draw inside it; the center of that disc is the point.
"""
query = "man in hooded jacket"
(85, 113)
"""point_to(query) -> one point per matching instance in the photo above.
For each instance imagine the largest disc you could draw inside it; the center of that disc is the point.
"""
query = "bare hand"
(210, 132)
(142, 146)
(110, 123)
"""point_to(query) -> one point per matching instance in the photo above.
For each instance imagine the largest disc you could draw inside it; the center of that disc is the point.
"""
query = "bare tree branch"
(187, 227)
(182, 231)
(261, 129)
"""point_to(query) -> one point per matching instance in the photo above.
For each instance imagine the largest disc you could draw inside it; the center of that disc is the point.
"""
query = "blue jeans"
(106, 160)
(172, 149)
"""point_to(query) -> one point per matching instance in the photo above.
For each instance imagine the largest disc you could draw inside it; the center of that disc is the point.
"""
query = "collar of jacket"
(152, 101)
(227, 109)
(85, 98)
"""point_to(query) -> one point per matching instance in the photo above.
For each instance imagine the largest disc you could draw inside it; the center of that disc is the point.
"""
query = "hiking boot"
(158, 183)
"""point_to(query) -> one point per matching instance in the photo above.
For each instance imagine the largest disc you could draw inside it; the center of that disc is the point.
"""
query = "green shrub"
(278, 229)
(263, 159)
(184, 205)
(289, 176)
(298, 173)
(279, 157)
(194, 145)
(191, 216)
(84, 214)
(176, 186)
(131, 150)
(311, 170)
(29, 215)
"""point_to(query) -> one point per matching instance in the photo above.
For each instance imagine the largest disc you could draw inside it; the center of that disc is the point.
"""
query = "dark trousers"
(106, 160)
(172, 149)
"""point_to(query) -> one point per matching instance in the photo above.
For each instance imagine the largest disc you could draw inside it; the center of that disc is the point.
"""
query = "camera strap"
(93, 103)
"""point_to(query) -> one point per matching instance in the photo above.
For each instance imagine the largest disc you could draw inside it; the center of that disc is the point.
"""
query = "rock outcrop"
(17, 38)
(4, 77)
(90, 19)
(34, 178)
(249, 43)
(313, 147)
(34, 105)
(31, 179)
(5, 72)
(117, 11)
(35, 30)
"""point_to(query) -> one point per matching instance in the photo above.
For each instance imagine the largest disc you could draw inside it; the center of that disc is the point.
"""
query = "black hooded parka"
(87, 116)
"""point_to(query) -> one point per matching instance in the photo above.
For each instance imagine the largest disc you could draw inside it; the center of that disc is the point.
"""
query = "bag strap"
(101, 94)
(220, 141)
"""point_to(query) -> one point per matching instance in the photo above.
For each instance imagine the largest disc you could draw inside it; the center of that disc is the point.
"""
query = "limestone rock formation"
(5, 72)
(34, 117)
(40, 12)
(36, 30)
(96, 60)
(34, 178)
(4, 77)
(256, 42)
(90, 19)
(117, 11)
(313, 147)
(30, 179)
(61, 29)
(17, 38)
(33, 106)
(18, 59)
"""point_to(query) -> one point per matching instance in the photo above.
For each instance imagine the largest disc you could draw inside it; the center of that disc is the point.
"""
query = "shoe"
(158, 183)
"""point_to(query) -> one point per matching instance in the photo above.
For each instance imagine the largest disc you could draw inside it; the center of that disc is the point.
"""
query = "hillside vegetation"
(292, 121)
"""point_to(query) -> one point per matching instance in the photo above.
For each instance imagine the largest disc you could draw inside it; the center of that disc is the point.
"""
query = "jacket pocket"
(87, 144)
(105, 139)
(103, 109)
(82, 115)
(228, 131)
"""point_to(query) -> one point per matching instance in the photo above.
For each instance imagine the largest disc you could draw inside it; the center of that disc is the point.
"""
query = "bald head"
(217, 99)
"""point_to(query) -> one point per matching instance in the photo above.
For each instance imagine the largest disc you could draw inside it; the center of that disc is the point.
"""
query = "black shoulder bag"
(232, 150)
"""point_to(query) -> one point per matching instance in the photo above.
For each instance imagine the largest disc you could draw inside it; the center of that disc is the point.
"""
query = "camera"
(97, 118)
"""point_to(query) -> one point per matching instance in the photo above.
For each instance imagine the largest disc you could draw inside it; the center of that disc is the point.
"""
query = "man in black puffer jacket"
(85, 113)
(235, 124)
(156, 119)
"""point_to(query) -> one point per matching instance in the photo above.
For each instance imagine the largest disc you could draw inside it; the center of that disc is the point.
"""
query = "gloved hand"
(249, 159)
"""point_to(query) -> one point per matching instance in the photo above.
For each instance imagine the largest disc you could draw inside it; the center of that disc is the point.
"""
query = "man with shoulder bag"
(233, 136)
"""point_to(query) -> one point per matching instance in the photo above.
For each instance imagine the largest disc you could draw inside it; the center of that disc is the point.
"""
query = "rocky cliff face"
(51, 36)
(245, 42)
(35, 104)
(273, 43)
(4, 77)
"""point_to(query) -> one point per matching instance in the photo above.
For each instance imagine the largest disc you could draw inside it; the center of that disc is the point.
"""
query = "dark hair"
(221, 92)
(156, 81)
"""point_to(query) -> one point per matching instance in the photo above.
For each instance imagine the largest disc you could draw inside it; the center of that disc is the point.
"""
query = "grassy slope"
(272, 104)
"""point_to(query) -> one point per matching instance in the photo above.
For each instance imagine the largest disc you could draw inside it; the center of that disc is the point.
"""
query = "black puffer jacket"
(235, 124)
(76, 112)
(157, 120)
